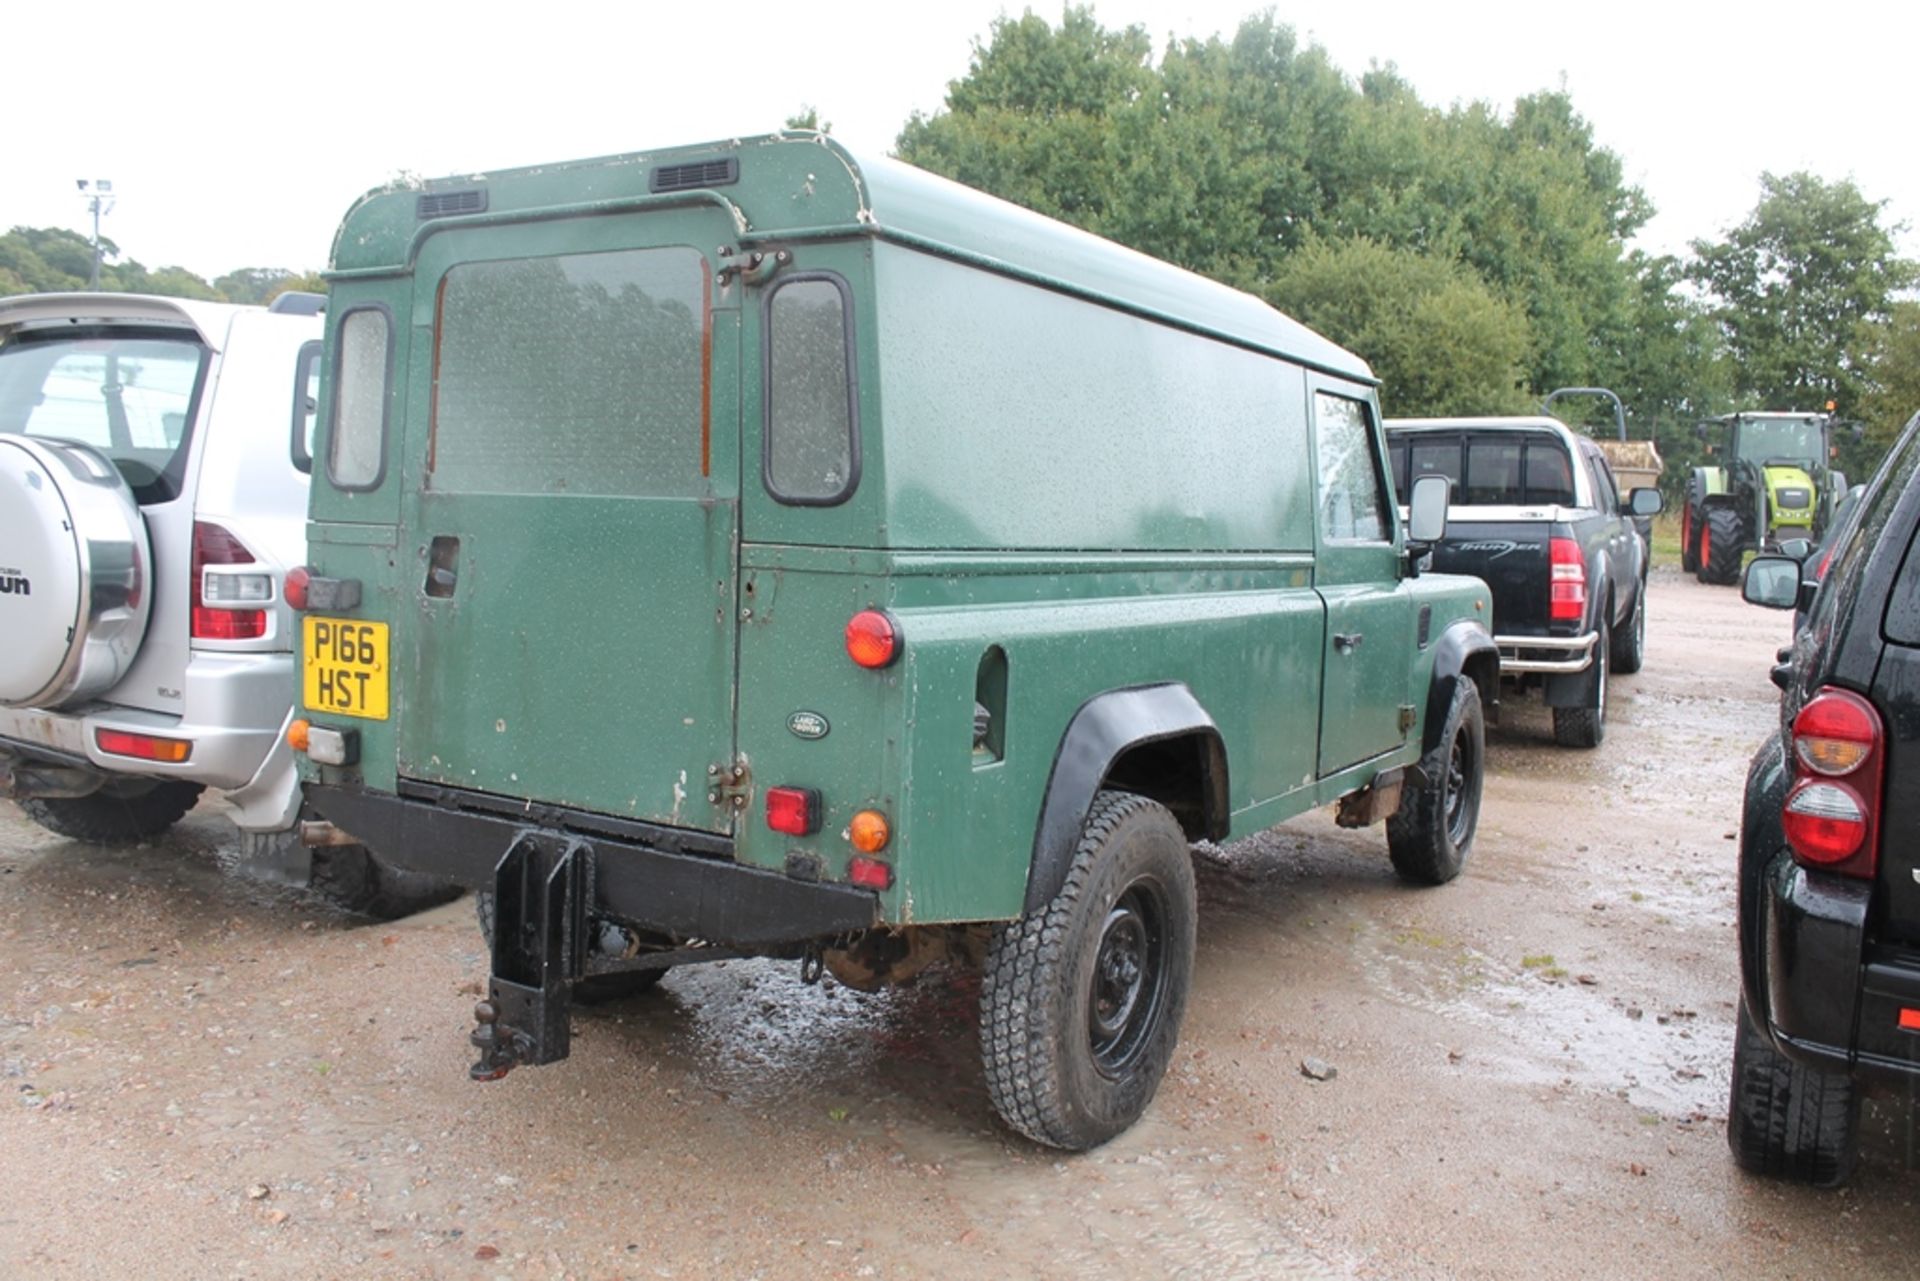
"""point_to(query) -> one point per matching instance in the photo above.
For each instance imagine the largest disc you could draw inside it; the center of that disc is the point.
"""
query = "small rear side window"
(812, 451)
(357, 447)
(306, 404)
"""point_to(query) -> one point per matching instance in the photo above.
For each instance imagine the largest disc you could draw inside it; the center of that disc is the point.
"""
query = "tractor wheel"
(1689, 539)
(1722, 544)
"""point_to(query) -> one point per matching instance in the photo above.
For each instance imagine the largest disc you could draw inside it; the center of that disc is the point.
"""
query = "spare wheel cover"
(75, 573)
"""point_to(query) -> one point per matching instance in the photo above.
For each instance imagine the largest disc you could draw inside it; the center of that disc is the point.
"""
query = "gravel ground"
(204, 1077)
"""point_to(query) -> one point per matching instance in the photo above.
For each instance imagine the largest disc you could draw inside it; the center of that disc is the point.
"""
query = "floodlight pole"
(99, 197)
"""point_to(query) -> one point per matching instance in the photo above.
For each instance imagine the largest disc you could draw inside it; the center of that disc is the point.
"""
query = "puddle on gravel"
(1557, 1030)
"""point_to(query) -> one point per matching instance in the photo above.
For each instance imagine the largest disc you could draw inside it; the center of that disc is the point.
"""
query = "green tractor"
(1774, 483)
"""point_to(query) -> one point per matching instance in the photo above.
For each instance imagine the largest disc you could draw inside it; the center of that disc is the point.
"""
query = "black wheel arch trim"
(1104, 729)
(1464, 646)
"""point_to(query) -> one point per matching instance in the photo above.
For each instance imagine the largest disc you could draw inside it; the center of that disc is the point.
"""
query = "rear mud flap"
(542, 888)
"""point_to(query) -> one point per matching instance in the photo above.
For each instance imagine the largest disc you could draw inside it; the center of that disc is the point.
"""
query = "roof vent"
(699, 173)
(448, 204)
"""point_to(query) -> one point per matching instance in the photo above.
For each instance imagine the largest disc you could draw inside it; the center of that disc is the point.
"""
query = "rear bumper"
(236, 711)
(665, 880)
(1548, 655)
(1834, 999)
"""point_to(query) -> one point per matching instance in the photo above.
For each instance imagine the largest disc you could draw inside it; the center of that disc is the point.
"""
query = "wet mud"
(202, 1076)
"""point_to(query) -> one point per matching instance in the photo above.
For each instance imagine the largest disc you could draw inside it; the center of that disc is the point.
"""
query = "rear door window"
(132, 394)
(573, 374)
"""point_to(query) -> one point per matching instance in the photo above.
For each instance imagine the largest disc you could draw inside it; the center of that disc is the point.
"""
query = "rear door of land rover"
(571, 522)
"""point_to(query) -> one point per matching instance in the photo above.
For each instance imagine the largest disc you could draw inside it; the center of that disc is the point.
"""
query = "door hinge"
(1406, 717)
(729, 784)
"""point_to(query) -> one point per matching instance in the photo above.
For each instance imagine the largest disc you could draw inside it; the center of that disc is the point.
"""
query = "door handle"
(1347, 642)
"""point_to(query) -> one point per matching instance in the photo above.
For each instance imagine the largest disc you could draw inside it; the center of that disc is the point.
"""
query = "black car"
(1829, 881)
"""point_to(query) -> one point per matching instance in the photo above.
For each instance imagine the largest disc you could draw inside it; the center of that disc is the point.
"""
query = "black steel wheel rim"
(1459, 807)
(1129, 977)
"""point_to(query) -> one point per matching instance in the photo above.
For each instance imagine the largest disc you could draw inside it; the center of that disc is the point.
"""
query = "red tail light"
(869, 873)
(1567, 584)
(1832, 811)
(793, 810)
(294, 586)
(872, 639)
(213, 545)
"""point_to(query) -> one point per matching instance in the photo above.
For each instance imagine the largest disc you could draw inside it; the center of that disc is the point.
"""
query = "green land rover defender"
(755, 550)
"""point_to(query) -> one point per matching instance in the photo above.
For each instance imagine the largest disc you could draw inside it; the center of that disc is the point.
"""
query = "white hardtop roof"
(208, 320)
(1536, 422)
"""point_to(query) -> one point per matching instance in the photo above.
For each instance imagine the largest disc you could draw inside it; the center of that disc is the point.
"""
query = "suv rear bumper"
(236, 713)
(1834, 999)
(665, 880)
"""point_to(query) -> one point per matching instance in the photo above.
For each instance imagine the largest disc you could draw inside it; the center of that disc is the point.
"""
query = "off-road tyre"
(352, 879)
(1786, 1120)
(1082, 1000)
(121, 812)
(1630, 642)
(1431, 835)
(595, 989)
(1690, 525)
(1586, 726)
(1723, 546)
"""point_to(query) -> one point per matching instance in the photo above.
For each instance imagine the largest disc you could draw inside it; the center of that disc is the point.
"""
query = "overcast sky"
(236, 135)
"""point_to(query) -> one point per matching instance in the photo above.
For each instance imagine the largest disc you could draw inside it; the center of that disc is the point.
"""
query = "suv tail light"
(1832, 811)
(1567, 584)
(220, 600)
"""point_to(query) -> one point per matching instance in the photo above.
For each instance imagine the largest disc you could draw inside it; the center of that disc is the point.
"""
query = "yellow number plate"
(345, 667)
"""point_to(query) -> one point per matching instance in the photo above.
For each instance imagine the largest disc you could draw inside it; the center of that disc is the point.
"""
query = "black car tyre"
(1431, 835)
(1722, 548)
(1630, 642)
(1586, 726)
(1082, 1000)
(1786, 1120)
(352, 879)
(122, 811)
(595, 989)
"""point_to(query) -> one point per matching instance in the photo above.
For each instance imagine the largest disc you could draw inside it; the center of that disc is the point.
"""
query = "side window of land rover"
(1352, 499)
(812, 454)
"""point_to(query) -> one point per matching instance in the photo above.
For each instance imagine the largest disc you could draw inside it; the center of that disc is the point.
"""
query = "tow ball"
(501, 1048)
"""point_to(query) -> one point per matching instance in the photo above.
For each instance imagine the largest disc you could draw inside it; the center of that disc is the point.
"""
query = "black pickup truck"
(1536, 515)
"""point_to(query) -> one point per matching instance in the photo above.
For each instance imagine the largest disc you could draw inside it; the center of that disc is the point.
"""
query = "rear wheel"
(1083, 997)
(1630, 642)
(1586, 726)
(352, 879)
(1689, 539)
(1722, 544)
(122, 811)
(1432, 833)
(1787, 1120)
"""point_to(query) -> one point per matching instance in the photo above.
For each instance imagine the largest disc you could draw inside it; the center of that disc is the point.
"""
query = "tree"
(1794, 284)
(1890, 355)
(1438, 338)
(1232, 156)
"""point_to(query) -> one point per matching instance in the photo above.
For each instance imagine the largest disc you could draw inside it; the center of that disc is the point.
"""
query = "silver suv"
(153, 477)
